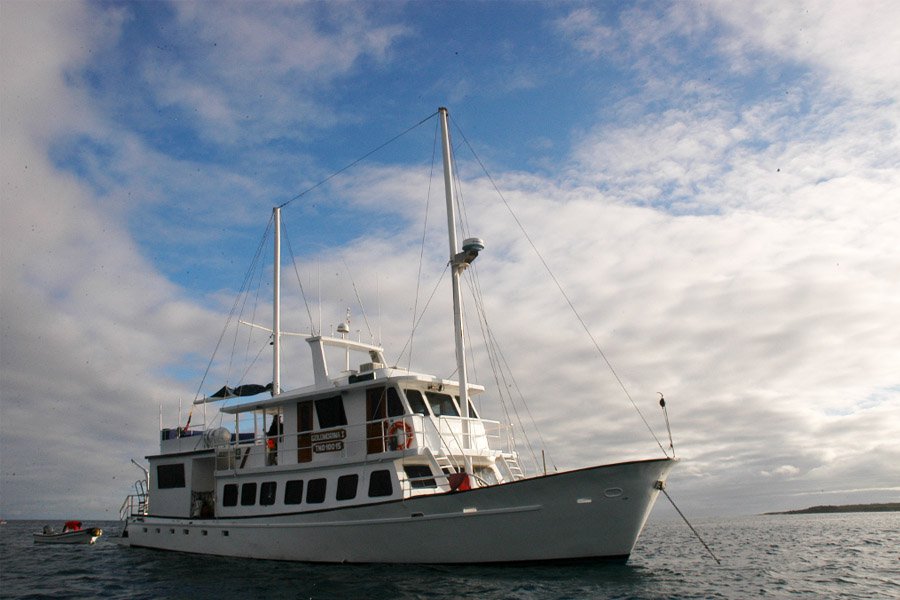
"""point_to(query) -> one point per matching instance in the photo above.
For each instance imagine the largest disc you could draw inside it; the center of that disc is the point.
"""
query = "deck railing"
(136, 504)
(446, 435)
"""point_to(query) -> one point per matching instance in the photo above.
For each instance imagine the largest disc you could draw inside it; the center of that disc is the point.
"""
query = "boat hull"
(82, 536)
(593, 513)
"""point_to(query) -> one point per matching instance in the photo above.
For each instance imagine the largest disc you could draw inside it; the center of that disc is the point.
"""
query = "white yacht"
(378, 464)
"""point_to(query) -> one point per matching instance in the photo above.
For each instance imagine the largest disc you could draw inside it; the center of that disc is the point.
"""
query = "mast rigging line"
(297, 273)
(422, 316)
(358, 299)
(358, 160)
(422, 247)
(492, 345)
(561, 290)
(234, 306)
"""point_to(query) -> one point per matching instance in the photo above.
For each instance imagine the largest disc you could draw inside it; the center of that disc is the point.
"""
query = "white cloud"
(89, 327)
(782, 471)
(282, 57)
(853, 44)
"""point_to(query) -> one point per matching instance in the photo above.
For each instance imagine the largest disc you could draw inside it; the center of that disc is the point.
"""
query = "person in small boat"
(71, 526)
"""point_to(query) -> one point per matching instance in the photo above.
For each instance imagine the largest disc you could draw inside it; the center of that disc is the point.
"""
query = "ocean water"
(777, 556)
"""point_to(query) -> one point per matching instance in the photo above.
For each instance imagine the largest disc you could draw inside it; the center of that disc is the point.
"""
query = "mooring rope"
(681, 514)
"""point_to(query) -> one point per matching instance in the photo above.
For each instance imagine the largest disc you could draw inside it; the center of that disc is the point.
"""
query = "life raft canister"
(394, 435)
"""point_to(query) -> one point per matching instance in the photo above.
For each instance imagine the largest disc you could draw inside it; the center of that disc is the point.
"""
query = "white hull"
(594, 513)
(84, 536)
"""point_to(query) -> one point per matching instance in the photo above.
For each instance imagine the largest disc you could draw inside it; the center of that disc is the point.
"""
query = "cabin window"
(293, 492)
(304, 425)
(419, 476)
(472, 413)
(170, 476)
(394, 405)
(416, 402)
(315, 491)
(267, 493)
(442, 405)
(346, 487)
(376, 412)
(304, 416)
(486, 474)
(229, 495)
(331, 412)
(383, 402)
(248, 494)
(380, 484)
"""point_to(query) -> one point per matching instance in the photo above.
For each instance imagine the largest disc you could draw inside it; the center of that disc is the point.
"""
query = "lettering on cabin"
(328, 447)
(328, 441)
(328, 436)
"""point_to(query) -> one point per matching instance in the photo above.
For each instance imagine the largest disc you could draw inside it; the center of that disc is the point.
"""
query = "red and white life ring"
(394, 439)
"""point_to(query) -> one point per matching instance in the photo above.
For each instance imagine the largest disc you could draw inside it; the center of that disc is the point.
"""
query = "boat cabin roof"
(353, 381)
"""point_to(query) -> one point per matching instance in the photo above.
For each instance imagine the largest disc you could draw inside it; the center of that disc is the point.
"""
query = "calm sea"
(785, 556)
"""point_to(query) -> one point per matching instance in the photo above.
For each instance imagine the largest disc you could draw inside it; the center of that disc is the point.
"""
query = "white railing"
(451, 436)
(137, 504)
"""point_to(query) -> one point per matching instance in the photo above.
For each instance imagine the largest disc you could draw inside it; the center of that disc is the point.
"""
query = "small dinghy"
(72, 533)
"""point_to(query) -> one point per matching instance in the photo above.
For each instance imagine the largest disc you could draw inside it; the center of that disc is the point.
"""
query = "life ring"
(394, 438)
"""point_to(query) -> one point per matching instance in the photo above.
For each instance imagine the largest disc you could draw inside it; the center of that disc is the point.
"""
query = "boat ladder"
(512, 463)
(140, 486)
(443, 461)
(136, 504)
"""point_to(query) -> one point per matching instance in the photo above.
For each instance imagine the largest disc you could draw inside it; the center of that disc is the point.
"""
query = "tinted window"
(419, 476)
(304, 416)
(248, 494)
(229, 495)
(394, 406)
(472, 413)
(442, 404)
(293, 492)
(331, 412)
(267, 493)
(315, 491)
(416, 402)
(170, 476)
(380, 484)
(346, 487)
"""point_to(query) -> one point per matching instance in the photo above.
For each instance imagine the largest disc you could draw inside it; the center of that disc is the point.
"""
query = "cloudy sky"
(715, 185)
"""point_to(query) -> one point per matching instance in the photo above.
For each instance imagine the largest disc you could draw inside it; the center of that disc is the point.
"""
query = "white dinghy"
(72, 533)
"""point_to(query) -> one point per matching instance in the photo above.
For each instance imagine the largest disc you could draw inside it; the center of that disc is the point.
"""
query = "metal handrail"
(237, 452)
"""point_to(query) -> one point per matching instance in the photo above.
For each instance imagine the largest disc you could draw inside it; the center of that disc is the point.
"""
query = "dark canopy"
(248, 389)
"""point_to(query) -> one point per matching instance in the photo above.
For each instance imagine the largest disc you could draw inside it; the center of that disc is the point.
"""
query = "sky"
(715, 186)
